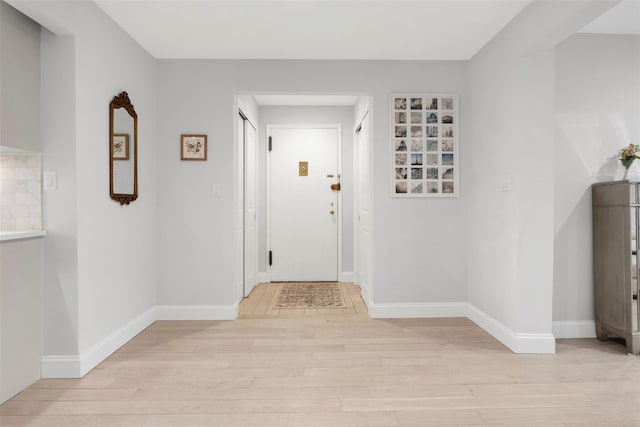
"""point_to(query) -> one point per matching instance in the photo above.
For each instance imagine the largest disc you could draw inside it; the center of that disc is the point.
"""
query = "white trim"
(61, 367)
(345, 276)
(574, 329)
(534, 344)
(76, 366)
(197, 312)
(366, 297)
(7, 236)
(516, 342)
(411, 310)
(263, 277)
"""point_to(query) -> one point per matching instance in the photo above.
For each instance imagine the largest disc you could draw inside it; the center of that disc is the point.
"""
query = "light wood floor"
(327, 370)
(260, 304)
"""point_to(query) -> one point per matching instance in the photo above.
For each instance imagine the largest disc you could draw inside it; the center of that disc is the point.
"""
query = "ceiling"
(328, 29)
(313, 29)
(621, 19)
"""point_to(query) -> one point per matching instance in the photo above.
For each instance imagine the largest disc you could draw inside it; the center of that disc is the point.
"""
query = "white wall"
(20, 315)
(20, 261)
(311, 115)
(597, 114)
(61, 323)
(106, 266)
(20, 80)
(421, 259)
(101, 257)
(511, 233)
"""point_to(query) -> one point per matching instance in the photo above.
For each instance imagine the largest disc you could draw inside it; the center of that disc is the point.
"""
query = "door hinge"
(270, 143)
(270, 258)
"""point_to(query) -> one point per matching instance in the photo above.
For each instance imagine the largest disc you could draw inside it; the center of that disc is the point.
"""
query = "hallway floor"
(336, 370)
(261, 304)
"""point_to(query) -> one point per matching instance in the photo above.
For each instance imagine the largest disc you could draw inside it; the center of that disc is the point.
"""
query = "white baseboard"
(366, 297)
(197, 312)
(407, 310)
(345, 276)
(516, 342)
(263, 277)
(61, 367)
(76, 366)
(574, 329)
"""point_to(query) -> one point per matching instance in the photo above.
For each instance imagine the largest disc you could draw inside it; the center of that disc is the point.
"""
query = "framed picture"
(424, 145)
(193, 147)
(120, 146)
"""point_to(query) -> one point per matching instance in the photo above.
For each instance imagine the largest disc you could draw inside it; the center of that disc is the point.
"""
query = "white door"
(363, 202)
(250, 211)
(303, 207)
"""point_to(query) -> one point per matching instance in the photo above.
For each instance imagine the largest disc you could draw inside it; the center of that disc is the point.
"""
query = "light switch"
(50, 181)
(215, 190)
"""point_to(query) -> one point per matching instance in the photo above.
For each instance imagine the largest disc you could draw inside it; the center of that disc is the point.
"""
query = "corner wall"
(20, 260)
(597, 111)
(510, 247)
(100, 268)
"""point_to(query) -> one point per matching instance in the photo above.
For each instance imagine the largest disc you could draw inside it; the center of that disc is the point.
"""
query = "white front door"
(303, 208)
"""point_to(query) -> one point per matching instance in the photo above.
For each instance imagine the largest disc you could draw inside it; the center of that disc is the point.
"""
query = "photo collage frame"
(424, 145)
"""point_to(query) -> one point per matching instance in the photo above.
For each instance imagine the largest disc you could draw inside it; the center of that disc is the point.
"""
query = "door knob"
(332, 212)
(335, 187)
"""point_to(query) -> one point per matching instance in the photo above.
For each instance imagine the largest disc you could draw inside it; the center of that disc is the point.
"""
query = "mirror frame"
(122, 101)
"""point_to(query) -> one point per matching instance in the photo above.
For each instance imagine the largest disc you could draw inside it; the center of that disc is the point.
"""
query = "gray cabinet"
(616, 210)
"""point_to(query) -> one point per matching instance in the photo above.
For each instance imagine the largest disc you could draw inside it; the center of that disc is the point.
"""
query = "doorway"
(304, 202)
(354, 213)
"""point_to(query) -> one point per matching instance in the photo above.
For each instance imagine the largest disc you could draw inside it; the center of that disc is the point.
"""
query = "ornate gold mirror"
(123, 150)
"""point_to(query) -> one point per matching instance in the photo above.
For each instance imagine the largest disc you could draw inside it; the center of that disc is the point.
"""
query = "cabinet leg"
(633, 344)
(601, 334)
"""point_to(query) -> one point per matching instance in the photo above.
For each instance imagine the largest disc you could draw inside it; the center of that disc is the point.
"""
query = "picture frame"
(424, 145)
(120, 146)
(193, 147)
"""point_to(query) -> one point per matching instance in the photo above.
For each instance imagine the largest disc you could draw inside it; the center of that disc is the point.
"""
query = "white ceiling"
(328, 29)
(621, 19)
(313, 29)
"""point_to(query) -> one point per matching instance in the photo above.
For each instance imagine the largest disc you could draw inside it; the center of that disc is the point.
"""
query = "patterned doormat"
(309, 295)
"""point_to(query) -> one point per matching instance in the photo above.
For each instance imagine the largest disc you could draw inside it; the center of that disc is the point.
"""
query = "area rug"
(309, 295)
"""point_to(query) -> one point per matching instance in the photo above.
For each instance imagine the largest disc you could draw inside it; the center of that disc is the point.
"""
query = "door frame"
(239, 177)
(270, 126)
(367, 292)
(246, 242)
